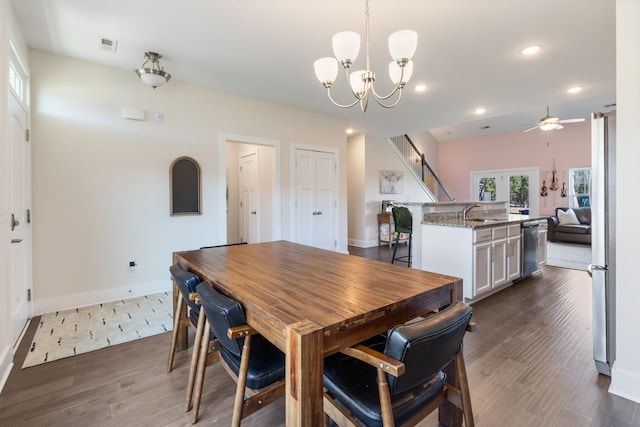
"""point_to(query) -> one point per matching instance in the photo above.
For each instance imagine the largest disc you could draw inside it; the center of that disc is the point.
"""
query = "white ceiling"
(265, 49)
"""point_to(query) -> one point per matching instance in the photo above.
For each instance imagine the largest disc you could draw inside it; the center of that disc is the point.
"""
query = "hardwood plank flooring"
(529, 364)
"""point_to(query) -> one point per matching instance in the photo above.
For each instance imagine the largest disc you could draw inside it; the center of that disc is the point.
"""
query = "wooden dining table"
(311, 303)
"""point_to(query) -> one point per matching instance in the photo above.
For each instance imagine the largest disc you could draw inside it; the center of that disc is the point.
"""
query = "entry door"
(20, 217)
(518, 186)
(249, 198)
(316, 198)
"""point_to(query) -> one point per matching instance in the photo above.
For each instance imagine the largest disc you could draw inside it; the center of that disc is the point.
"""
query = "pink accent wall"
(570, 147)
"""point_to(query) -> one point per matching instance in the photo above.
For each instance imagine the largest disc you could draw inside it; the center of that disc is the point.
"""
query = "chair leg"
(242, 382)
(395, 248)
(202, 364)
(385, 399)
(463, 385)
(174, 334)
(194, 359)
(409, 255)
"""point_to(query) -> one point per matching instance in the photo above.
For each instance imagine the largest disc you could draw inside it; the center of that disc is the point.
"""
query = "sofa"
(566, 227)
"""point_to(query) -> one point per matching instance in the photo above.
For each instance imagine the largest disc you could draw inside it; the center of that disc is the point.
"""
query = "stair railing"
(416, 160)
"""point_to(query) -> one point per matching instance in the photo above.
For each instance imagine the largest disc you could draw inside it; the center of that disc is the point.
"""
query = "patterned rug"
(70, 332)
(568, 255)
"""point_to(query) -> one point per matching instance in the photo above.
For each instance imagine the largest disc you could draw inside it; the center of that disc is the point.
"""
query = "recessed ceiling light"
(531, 50)
(575, 89)
(480, 110)
(349, 131)
(421, 87)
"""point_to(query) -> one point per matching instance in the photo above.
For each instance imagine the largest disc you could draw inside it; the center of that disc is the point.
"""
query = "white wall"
(377, 155)
(626, 370)
(100, 183)
(356, 185)
(429, 146)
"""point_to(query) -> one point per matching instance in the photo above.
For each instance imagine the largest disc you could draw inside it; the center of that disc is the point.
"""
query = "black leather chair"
(186, 283)
(256, 364)
(402, 223)
(408, 365)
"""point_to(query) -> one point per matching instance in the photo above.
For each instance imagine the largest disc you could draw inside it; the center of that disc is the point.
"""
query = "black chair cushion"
(354, 384)
(186, 283)
(426, 346)
(266, 362)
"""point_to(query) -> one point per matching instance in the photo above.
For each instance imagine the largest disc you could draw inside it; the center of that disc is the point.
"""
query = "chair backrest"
(186, 283)
(402, 219)
(222, 313)
(426, 346)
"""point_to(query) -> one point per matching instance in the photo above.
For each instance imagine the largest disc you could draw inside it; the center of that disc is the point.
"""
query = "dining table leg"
(304, 369)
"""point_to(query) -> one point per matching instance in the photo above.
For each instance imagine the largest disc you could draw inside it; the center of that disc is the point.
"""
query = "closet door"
(315, 204)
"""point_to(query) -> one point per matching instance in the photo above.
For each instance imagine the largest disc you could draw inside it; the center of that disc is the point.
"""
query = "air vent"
(108, 44)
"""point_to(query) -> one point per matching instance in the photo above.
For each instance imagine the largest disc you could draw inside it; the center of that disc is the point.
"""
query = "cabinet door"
(481, 268)
(542, 246)
(499, 258)
(513, 258)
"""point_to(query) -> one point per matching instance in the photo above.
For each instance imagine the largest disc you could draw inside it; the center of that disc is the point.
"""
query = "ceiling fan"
(552, 123)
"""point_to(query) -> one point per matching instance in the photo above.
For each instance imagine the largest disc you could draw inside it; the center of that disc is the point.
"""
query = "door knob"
(16, 240)
(253, 212)
(14, 222)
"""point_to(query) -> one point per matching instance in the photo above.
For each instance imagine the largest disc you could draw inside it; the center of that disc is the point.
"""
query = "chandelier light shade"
(346, 46)
(154, 76)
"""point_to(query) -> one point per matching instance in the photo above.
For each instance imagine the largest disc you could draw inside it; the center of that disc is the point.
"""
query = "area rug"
(568, 255)
(68, 333)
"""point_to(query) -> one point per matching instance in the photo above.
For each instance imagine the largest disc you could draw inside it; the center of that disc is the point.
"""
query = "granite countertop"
(482, 222)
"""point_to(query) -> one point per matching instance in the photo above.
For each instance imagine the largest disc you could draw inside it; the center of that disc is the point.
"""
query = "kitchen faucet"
(467, 209)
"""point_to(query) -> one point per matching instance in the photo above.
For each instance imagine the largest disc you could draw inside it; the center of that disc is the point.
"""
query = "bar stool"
(403, 223)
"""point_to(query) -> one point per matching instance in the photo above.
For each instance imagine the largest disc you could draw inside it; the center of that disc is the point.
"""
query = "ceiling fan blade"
(535, 127)
(571, 121)
(558, 127)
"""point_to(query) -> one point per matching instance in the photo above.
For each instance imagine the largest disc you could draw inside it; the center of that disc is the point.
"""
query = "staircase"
(416, 162)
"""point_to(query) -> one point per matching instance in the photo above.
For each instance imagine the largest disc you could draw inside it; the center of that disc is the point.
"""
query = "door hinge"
(28, 294)
(28, 216)
(26, 135)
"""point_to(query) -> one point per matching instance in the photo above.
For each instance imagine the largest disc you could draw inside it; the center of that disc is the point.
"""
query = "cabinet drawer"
(499, 232)
(482, 235)
(513, 230)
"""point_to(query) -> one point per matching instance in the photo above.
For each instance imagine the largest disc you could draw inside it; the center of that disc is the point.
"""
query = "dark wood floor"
(529, 364)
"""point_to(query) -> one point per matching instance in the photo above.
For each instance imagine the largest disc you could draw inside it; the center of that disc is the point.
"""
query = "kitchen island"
(485, 250)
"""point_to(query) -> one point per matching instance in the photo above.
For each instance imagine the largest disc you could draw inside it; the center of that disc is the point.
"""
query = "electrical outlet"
(132, 265)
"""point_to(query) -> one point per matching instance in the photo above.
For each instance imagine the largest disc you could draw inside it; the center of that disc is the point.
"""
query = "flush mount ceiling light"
(154, 76)
(346, 45)
(531, 50)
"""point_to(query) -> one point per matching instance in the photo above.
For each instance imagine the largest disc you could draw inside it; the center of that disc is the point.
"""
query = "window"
(579, 187)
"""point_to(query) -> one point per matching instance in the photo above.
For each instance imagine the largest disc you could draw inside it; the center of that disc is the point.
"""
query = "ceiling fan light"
(395, 71)
(548, 126)
(402, 44)
(346, 46)
(326, 69)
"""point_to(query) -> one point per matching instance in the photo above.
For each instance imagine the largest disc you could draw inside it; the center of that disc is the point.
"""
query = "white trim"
(48, 305)
(6, 364)
(221, 181)
(363, 243)
(625, 383)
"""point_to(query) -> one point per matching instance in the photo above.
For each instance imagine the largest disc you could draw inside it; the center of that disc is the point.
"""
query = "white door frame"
(292, 189)
(220, 191)
(534, 181)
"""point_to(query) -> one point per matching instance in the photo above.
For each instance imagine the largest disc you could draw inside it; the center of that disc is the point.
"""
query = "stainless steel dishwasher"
(530, 262)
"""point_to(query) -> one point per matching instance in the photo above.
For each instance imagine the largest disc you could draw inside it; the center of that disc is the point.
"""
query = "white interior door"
(249, 197)
(315, 204)
(20, 216)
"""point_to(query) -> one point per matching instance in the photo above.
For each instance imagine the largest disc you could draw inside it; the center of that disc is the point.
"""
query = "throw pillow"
(567, 217)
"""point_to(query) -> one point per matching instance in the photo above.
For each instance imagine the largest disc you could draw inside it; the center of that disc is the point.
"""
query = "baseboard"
(6, 364)
(48, 305)
(625, 383)
(363, 243)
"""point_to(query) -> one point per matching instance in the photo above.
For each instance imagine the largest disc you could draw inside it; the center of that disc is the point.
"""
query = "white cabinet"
(542, 242)
(482, 267)
(499, 256)
(514, 253)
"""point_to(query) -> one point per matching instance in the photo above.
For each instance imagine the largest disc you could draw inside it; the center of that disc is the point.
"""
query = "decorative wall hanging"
(543, 190)
(185, 188)
(391, 182)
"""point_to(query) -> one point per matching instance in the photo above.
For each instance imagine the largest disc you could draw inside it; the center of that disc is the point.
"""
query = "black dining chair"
(398, 379)
(402, 223)
(191, 317)
(254, 363)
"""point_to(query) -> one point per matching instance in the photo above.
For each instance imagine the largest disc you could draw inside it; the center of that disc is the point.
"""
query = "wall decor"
(185, 187)
(391, 182)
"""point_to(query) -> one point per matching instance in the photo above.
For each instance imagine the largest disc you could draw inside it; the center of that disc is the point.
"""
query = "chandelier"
(154, 76)
(346, 45)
